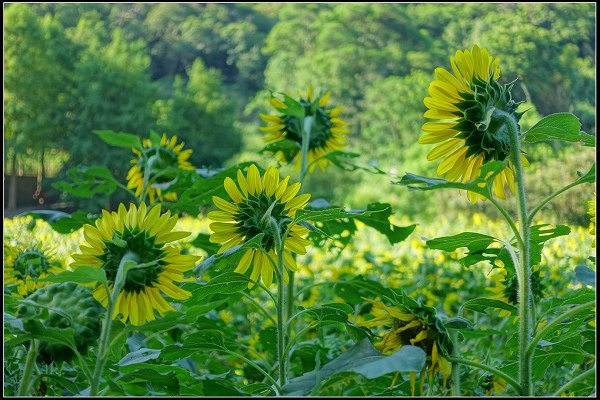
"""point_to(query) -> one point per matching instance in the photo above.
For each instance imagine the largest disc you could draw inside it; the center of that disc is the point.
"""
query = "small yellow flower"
(464, 129)
(241, 218)
(154, 160)
(328, 132)
(145, 234)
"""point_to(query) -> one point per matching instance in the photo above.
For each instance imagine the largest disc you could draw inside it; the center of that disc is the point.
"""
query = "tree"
(200, 113)
(35, 83)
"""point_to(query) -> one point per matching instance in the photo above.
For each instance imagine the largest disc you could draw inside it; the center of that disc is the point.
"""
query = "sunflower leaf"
(479, 185)
(126, 140)
(87, 182)
(481, 304)
(228, 257)
(195, 190)
(363, 359)
(288, 149)
(560, 126)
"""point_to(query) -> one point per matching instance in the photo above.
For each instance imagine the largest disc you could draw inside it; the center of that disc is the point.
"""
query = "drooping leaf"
(118, 139)
(379, 220)
(361, 358)
(480, 185)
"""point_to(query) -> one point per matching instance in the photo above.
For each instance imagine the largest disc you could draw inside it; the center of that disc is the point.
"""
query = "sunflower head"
(24, 264)
(60, 306)
(249, 209)
(327, 130)
(417, 327)
(467, 127)
(160, 160)
(144, 235)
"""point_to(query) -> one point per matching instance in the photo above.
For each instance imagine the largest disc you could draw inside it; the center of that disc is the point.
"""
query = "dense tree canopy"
(191, 70)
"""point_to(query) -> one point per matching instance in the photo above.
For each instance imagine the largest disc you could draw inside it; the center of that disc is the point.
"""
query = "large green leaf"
(379, 220)
(88, 182)
(363, 359)
(117, 139)
(560, 126)
(332, 312)
(202, 340)
(223, 285)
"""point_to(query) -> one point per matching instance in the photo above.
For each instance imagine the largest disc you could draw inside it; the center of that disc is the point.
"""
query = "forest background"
(203, 72)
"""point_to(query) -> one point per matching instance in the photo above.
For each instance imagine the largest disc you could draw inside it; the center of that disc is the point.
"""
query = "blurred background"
(202, 72)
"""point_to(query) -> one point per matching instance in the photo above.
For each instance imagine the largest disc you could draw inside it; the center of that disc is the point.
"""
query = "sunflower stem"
(147, 168)
(524, 269)
(455, 366)
(280, 306)
(26, 381)
(103, 346)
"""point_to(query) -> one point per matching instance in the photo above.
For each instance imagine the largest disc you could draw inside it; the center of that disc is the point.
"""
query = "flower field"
(177, 256)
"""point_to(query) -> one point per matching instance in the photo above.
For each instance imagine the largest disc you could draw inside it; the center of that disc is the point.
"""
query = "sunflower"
(24, 264)
(327, 133)
(242, 219)
(158, 158)
(592, 213)
(411, 329)
(145, 234)
(466, 129)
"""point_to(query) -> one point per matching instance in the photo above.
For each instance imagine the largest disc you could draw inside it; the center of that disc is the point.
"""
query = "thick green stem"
(524, 269)
(455, 366)
(107, 324)
(26, 381)
(487, 368)
(280, 306)
(306, 129)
